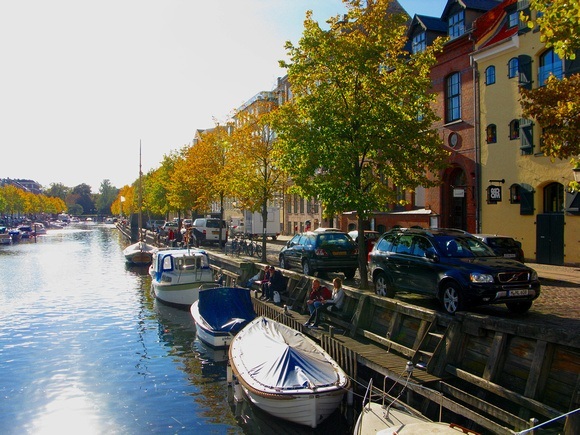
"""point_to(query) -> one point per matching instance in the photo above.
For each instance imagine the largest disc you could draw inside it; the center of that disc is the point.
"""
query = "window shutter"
(573, 202)
(572, 66)
(526, 136)
(525, 70)
(523, 6)
(527, 201)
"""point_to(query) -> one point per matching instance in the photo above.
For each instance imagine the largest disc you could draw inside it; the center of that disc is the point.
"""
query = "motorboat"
(39, 228)
(5, 237)
(178, 275)
(15, 234)
(383, 414)
(220, 313)
(139, 254)
(26, 231)
(285, 373)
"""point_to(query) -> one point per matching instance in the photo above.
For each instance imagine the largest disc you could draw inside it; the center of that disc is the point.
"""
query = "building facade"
(525, 193)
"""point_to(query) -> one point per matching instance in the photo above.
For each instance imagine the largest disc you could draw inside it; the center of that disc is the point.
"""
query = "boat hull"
(182, 295)
(139, 254)
(290, 377)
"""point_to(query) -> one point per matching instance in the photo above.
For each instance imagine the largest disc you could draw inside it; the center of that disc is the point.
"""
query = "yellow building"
(524, 194)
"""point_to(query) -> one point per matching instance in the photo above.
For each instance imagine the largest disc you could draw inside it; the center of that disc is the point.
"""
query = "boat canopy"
(293, 360)
(226, 309)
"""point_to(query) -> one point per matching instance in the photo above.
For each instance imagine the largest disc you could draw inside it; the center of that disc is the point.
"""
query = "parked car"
(370, 236)
(452, 265)
(320, 251)
(207, 230)
(504, 246)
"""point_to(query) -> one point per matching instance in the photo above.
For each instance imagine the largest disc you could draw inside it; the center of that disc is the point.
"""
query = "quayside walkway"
(499, 375)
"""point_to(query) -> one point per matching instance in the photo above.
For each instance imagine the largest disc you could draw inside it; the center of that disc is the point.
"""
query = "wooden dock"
(499, 375)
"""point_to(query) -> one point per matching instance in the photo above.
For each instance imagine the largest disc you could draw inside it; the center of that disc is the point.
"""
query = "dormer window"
(419, 43)
(513, 19)
(456, 25)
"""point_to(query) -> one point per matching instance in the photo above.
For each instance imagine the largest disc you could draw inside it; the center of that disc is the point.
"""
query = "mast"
(140, 218)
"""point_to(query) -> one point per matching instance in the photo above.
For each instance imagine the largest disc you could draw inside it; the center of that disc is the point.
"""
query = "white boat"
(39, 228)
(5, 237)
(220, 313)
(178, 275)
(286, 374)
(139, 254)
(388, 416)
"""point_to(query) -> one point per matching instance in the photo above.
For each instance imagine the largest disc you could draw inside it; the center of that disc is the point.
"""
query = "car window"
(404, 244)
(422, 246)
(212, 224)
(463, 247)
(386, 243)
(501, 242)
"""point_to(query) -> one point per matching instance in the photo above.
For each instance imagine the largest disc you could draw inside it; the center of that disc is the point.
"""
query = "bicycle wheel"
(258, 250)
(251, 249)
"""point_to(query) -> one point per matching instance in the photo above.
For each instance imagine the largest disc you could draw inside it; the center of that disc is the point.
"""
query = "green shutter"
(525, 70)
(527, 201)
(526, 136)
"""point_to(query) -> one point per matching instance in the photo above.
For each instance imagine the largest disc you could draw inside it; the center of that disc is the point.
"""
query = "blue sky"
(83, 82)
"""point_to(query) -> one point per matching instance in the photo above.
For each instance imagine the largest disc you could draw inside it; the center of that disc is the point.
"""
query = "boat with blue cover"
(220, 313)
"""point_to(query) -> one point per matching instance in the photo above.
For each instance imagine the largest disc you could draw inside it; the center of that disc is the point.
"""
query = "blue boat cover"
(226, 309)
(280, 357)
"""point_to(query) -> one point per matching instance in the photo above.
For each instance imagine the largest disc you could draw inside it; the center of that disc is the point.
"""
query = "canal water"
(86, 349)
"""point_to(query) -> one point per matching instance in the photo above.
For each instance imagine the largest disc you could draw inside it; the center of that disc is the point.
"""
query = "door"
(550, 238)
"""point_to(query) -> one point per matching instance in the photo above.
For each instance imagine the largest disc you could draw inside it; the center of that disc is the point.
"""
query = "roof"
(476, 5)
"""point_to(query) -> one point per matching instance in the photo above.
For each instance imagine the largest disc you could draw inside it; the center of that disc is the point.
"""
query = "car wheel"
(519, 307)
(451, 298)
(283, 264)
(306, 270)
(349, 274)
(383, 286)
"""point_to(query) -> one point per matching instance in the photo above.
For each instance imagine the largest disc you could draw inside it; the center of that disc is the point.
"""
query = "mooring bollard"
(331, 330)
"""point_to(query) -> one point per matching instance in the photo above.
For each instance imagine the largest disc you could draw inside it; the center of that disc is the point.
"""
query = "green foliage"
(353, 131)
(559, 23)
(556, 107)
(359, 125)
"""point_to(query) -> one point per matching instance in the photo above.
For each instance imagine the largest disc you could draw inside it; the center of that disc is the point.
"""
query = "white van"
(207, 230)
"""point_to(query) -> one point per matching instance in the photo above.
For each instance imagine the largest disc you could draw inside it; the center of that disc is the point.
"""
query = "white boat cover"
(226, 309)
(282, 358)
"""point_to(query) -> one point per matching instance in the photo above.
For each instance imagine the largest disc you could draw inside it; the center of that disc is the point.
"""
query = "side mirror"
(432, 256)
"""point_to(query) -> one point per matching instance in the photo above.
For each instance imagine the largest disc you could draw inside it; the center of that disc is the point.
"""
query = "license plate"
(215, 232)
(340, 253)
(518, 293)
(509, 255)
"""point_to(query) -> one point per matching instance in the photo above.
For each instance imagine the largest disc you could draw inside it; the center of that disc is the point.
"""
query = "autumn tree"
(206, 162)
(556, 103)
(359, 125)
(256, 178)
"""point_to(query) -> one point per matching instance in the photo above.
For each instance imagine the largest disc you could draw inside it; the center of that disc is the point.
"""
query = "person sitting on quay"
(276, 283)
(317, 294)
(335, 301)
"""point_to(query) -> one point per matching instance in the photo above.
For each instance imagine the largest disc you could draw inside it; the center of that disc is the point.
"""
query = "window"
(456, 25)
(490, 75)
(513, 67)
(550, 63)
(453, 98)
(419, 44)
(513, 19)
(554, 198)
(514, 129)
(515, 197)
(491, 133)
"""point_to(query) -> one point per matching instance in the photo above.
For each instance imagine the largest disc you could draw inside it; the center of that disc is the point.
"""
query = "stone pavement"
(558, 305)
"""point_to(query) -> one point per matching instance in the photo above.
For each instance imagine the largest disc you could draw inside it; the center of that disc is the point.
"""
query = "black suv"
(326, 251)
(452, 265)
